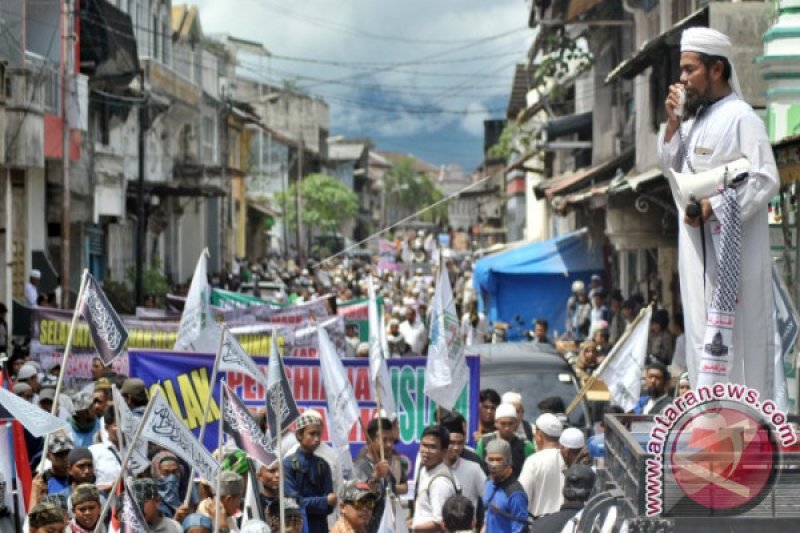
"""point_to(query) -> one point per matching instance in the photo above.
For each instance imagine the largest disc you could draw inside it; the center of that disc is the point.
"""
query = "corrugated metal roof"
(345, 152)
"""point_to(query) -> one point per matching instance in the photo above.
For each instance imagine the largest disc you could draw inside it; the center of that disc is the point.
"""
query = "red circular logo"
(723, 458)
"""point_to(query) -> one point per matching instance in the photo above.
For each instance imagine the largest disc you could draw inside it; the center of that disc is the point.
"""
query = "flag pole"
(380, 426)
(217, 499)
(67, 350)
(595, 375)
(126, 458)
(281, 502)
(204, 421)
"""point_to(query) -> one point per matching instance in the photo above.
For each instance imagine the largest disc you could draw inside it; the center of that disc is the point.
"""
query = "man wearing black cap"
(578, 487)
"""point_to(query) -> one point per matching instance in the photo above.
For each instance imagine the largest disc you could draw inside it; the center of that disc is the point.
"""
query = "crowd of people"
(519, 473)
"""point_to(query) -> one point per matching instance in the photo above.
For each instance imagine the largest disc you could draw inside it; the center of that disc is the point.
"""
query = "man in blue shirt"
(504, 499)
(308, 477)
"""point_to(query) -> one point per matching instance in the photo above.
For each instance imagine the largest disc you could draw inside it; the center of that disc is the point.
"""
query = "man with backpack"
(308, 477)
(436, 483)
(504, 499)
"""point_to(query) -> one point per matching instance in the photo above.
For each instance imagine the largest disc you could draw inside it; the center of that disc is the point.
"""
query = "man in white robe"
(719, 127)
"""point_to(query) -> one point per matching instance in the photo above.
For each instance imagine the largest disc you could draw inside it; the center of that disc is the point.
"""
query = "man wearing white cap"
(715, 128)
(572, 442)
(506, 421)
(32, 288)
(524, 429)
(542, 475)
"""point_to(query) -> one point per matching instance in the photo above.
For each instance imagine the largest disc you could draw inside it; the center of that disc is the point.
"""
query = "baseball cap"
(505, 410)
(548, 424)
(26, 372)
(355, 490)
(82, 401)
(85, 492)
(134, 387)
(45, 513)
(572, 438)
(59, 442)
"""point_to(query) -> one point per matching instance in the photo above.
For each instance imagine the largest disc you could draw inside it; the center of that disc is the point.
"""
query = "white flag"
(623, 366)
(164, 428)
(128, 422)
(198, 331)
(446, 371)
(32, 417)
(342, 407)
(378, 371)
(233, 358)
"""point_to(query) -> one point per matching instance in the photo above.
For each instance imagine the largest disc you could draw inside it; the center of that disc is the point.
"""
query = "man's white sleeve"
(440, 491)
(763, 183)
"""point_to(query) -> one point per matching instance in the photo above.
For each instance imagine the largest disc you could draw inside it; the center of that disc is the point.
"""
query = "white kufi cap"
(549, 424)
(572, 438)
(505, 410)
(713, 43)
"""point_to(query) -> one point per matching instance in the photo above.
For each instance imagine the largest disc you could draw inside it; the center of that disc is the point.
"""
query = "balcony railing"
(47, 75)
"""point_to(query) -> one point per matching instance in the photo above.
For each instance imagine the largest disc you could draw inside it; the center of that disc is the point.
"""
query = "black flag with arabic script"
(243, 428)
(108, 332)
(132, 519)
(281, 407)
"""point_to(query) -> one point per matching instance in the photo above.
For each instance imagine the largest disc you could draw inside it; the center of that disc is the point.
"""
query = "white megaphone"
(690, 188)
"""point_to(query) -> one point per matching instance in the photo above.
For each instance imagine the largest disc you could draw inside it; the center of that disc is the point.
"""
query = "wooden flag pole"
(125, 459)
(204, 421)
(67, 351)
(594, 377)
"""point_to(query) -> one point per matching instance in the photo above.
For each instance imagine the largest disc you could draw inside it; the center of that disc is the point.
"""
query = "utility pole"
(141, 228)
(67, 63)
(301, 256)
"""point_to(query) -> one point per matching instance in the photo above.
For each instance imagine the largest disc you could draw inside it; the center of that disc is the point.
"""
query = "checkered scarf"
(717, 351)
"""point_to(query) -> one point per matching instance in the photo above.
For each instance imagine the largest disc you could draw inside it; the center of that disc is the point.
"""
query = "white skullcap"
(548, 424)
(512, 397)
(505, 410)
(36, 274)
(572, 438)
(713, 43)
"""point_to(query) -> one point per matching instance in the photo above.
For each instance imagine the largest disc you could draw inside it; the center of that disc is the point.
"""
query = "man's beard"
(696, 101)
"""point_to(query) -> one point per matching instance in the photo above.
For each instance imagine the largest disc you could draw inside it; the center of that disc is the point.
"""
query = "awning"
(653, 49)
(262, 209)
(176, 188)
(572, 181)
(108, 45)
(568, 125)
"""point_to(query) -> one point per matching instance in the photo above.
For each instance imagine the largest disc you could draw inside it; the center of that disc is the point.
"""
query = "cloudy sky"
(418, 76)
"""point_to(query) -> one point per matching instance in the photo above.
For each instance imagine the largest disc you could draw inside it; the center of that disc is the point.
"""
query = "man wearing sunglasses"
(357, 502)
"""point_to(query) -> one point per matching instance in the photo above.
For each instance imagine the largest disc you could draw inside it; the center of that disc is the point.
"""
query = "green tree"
(326, 203)
(412, 190)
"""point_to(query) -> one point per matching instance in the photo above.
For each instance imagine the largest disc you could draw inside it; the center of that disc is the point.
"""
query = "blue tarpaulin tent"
(534, 281)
